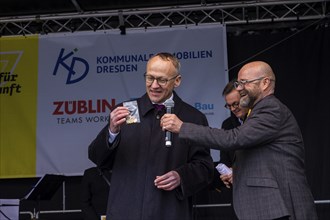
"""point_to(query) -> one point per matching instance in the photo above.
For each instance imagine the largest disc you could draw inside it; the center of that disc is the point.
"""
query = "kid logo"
(77, 67)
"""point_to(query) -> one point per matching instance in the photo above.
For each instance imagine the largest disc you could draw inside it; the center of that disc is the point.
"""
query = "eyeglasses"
(161, 81)
(242, 83)
(234, 105)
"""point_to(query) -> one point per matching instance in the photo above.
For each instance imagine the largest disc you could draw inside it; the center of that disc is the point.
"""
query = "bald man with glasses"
(269, 180)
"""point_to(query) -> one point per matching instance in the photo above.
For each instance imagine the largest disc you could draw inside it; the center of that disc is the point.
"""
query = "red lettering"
(90, 107)
(83, 106)
(67, 105)
(57, 109)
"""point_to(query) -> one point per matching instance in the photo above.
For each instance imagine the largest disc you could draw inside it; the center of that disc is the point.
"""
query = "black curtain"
(301, 62)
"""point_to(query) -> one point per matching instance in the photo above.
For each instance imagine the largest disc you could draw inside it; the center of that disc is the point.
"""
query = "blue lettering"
(201, 106)
(71, 72)
(117, 68)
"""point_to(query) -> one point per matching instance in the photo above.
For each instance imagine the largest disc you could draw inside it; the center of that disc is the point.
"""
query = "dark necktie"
(159, 107)
(159, 110)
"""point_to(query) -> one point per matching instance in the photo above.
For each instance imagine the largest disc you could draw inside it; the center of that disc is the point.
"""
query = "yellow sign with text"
(18, 106)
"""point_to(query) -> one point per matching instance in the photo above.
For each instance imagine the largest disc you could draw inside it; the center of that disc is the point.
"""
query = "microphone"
(169, 105)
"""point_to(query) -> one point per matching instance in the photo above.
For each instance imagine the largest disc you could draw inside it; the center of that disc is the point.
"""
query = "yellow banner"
(18, 106)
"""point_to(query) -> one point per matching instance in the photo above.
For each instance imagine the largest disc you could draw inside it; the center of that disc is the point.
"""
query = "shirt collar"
(171, 98)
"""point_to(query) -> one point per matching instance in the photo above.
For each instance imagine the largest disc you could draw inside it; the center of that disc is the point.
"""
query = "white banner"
(81, 76)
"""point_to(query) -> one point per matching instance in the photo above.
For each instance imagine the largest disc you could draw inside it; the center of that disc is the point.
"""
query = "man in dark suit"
(95, 190)
(269, 179)
(150, 180)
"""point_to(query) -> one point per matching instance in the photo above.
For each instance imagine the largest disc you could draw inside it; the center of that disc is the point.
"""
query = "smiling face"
(233, 99)
(161, 68)
(250, 94)
(259, 81)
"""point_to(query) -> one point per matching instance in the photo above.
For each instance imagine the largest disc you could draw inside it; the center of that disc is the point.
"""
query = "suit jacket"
(139, 155)
(94, 195)
(269, 174)
(227, 157)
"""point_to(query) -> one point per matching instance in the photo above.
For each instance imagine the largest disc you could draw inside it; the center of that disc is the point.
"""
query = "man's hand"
(227, 179)
(168, 181)
(170, 122)
(117, 118)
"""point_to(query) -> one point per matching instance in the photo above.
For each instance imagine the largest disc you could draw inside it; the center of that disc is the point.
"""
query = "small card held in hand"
(223, 169)
(134, 116)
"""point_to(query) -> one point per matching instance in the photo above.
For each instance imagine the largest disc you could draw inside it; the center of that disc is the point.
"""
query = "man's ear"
(177, 81)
